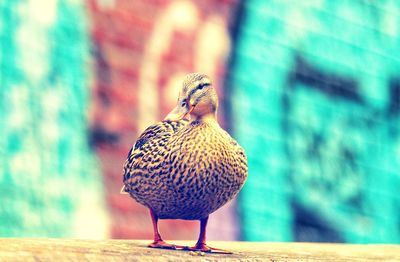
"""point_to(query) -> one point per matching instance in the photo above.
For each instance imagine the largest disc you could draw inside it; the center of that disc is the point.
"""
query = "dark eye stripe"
(203, 85)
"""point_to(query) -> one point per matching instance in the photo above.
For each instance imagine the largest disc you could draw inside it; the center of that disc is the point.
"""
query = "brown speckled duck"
(183, 169)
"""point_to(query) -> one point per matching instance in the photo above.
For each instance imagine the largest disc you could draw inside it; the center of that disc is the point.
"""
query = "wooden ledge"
(44, 249)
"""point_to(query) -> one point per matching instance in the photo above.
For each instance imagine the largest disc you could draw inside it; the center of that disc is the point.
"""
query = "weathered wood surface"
(14, 249)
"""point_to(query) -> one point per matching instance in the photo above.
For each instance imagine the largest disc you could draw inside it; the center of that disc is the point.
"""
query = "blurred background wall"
(311, 90)
(50, 180)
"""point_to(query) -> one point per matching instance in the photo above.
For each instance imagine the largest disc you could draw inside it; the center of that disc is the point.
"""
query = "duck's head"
(197, 98)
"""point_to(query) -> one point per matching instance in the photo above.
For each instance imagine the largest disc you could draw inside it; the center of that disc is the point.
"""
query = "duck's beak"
(179, 113)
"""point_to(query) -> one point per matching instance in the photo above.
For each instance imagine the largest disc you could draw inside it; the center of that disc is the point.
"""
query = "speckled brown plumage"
(186, 169)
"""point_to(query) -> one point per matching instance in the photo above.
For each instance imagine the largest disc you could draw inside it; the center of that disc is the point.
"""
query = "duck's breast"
(203, 170)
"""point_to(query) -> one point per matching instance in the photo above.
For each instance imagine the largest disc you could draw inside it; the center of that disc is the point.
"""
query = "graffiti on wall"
(329, 118)
(49, 182)
(334, 155)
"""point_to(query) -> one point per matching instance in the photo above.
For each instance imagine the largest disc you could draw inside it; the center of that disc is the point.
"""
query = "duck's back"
(144, 162)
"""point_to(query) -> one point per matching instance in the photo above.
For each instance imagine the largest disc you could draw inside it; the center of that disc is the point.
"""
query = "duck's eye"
(201, 86)
(183, 103)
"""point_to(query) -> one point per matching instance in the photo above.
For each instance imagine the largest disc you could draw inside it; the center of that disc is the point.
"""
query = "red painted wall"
(141, 51)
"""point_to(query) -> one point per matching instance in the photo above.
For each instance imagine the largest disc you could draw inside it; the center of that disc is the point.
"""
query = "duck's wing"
(146, 155)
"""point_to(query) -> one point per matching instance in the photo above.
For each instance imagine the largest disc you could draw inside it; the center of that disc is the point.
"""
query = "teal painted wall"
(316, 105)
(49, 181)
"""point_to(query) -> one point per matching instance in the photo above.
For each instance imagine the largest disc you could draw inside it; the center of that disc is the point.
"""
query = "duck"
(186, 166)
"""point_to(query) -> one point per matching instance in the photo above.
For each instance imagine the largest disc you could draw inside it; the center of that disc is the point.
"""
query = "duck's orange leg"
(201, 242)
(158, 242)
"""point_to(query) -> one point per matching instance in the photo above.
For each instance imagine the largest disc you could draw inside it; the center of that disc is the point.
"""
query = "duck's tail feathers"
(122, 191)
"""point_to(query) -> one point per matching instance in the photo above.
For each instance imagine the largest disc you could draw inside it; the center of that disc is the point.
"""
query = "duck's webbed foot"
(201, 243)
(163, 244)
(204, 248)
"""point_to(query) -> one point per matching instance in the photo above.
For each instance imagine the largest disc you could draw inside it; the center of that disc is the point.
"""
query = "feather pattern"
(185, 169)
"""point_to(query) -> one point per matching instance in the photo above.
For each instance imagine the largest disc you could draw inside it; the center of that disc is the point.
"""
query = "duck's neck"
(207, 118)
